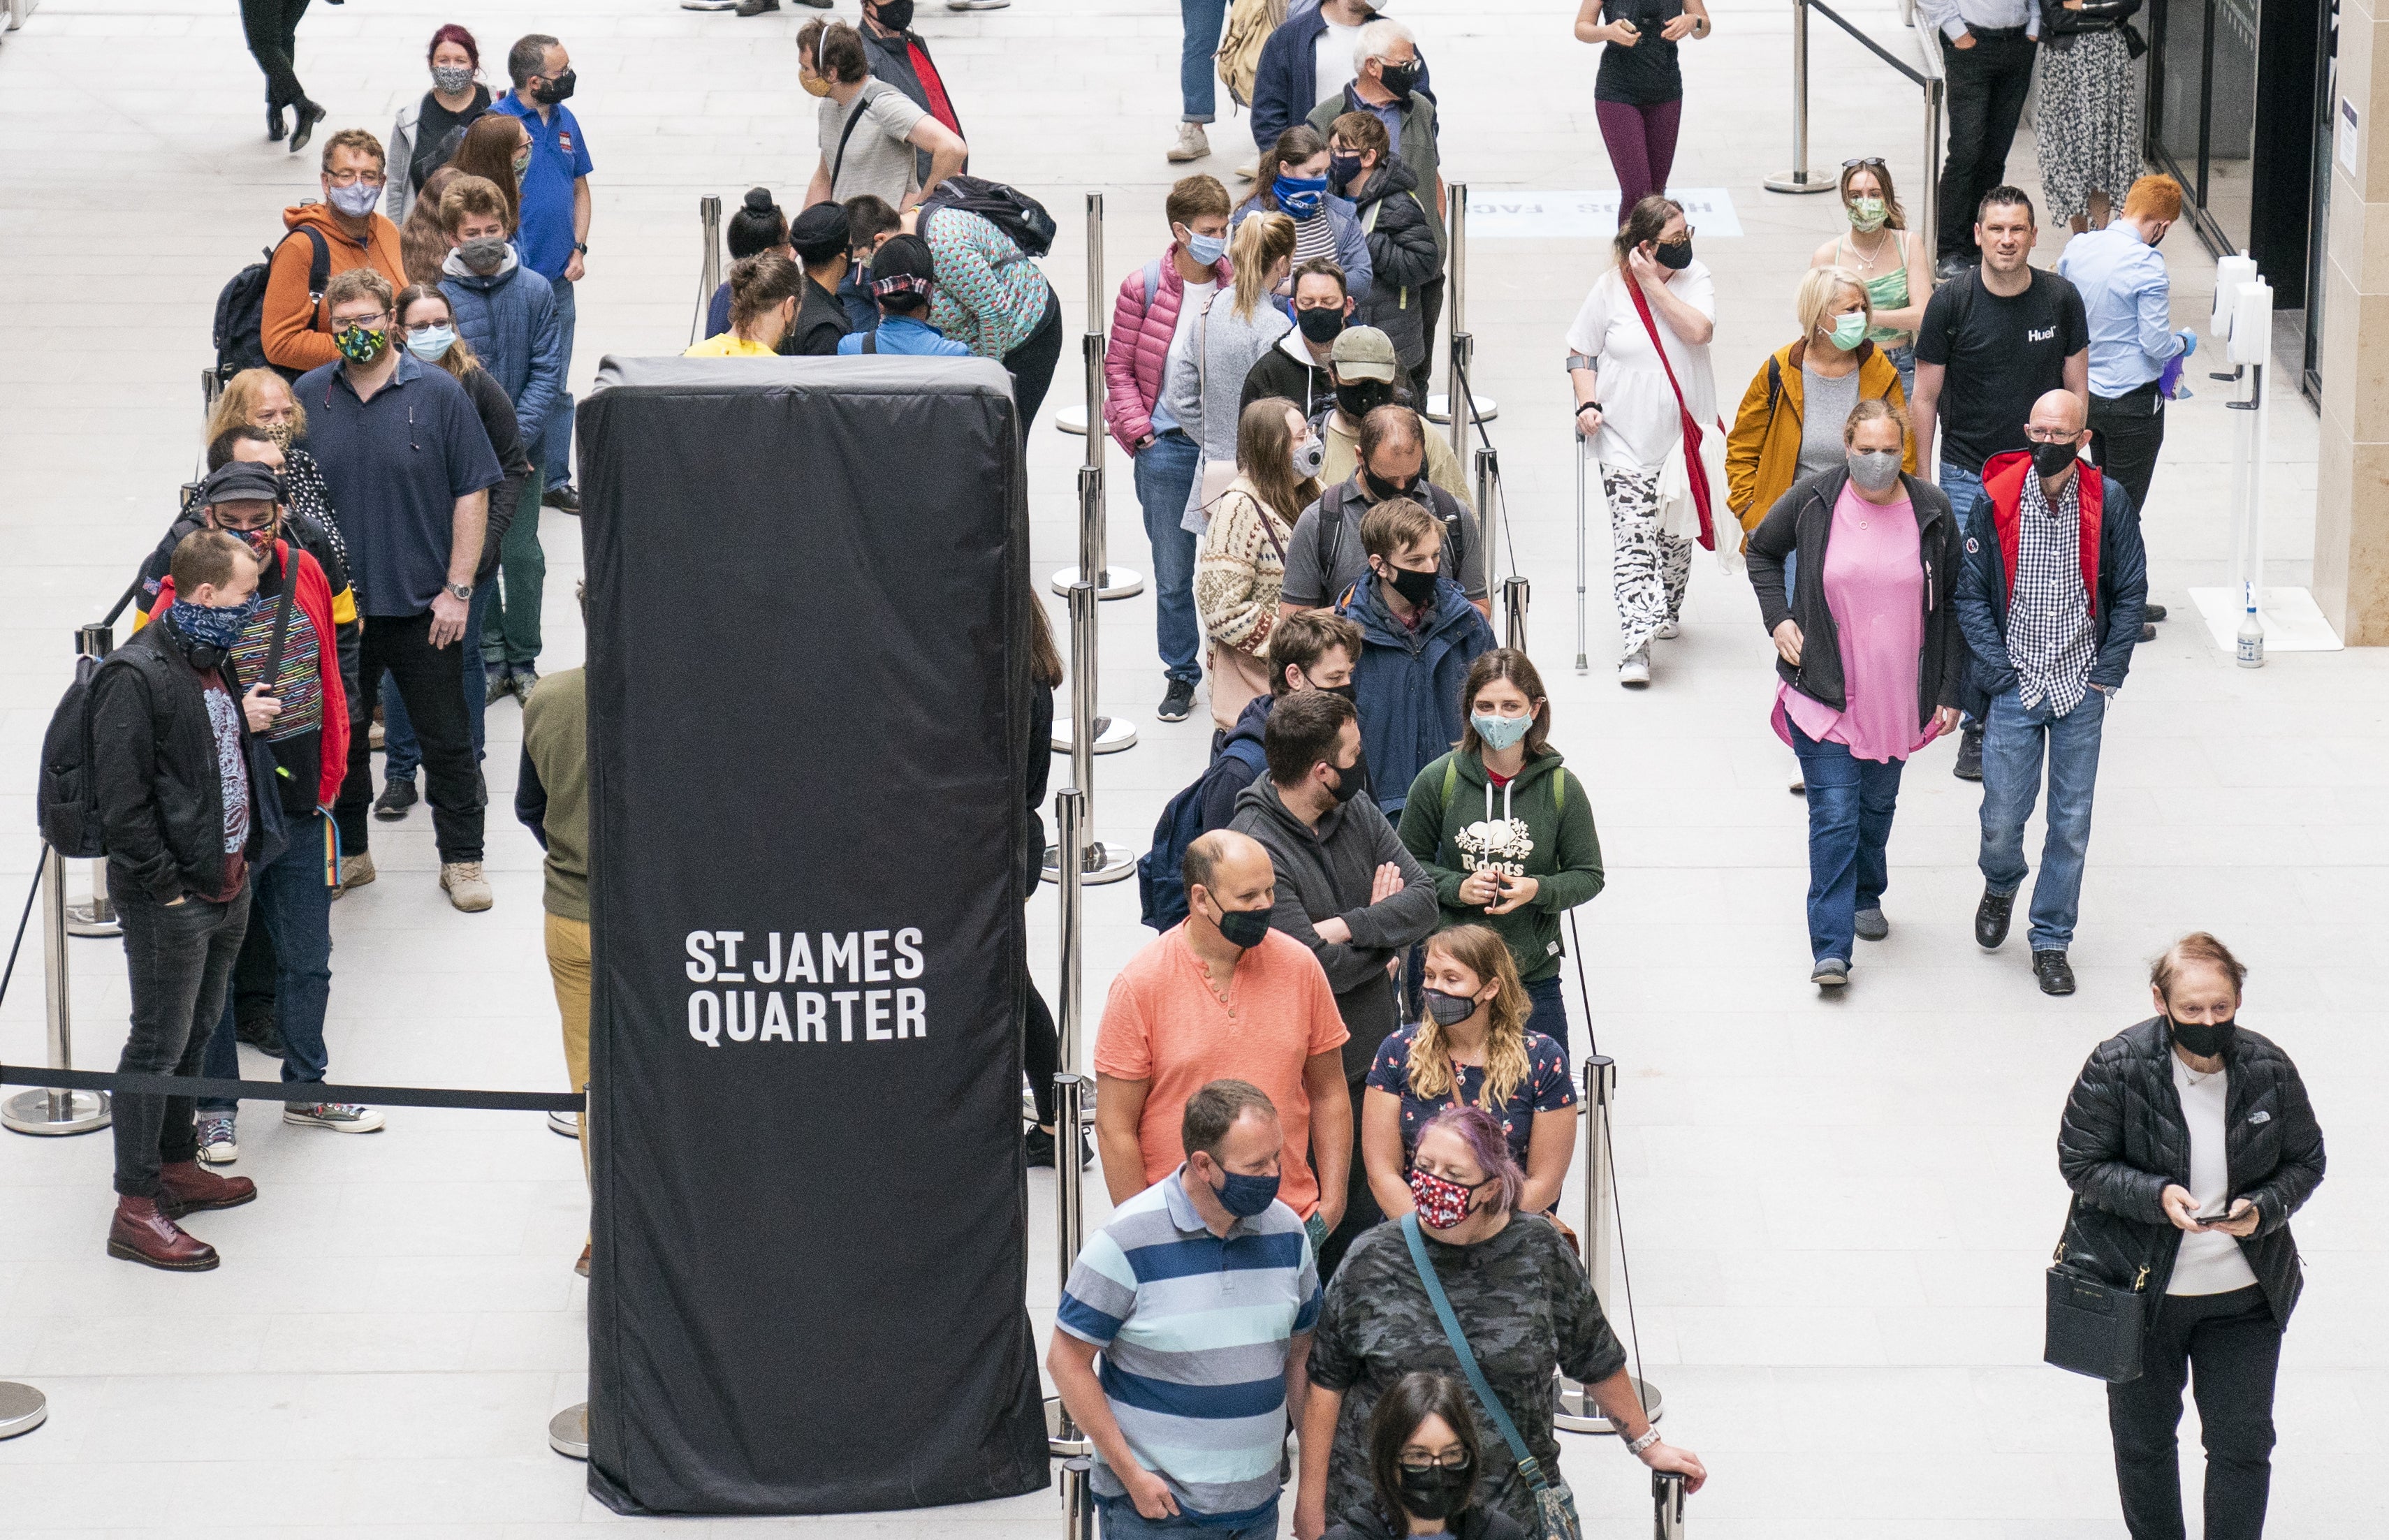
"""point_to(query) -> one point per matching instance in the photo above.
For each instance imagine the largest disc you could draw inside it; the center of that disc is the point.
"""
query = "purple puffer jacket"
(1141, 327)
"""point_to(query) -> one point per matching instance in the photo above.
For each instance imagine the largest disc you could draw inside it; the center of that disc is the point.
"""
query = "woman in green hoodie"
(1506, 830)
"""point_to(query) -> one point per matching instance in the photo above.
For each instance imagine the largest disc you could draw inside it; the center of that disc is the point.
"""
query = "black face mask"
(1243, 928)
(1348, 690)
(1321, 324)
(1676, 256)
(1380, 489)
(1436, 1493)
(1418, 588)
(1361, 398)
(895, 15)
(2205, 1039)
(555, 91)
(2052, 459)
(1352, 782)
(1401, 78)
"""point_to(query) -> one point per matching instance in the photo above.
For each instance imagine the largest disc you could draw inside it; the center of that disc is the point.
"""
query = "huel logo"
(2048, 335)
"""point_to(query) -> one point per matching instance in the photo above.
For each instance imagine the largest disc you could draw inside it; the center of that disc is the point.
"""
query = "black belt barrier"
(287, 1091)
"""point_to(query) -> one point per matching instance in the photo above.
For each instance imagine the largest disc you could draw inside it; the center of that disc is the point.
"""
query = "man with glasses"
(410, 468)
(348, 230)
(2049, 597)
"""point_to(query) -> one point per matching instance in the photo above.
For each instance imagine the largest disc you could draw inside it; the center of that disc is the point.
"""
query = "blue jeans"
(1196, 70)
(1165, 473)
(1850, 804)
(555, 436)
(405, 753)
(1550, 1013)
(1903, 359)
(1961, 487)
(290, 900)
(1122, 1521)
(2014, 736)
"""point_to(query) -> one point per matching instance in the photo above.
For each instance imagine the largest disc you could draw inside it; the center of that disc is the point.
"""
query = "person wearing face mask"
(1242, 562)
(1870, 659)
(1292, 181)
(1387, 89)
(293, 325)
(1222, 994)
(497, 149)
(1895, 265)
(1424, 1458)
(2049, 599)
(1419, 636)
(1309, 58)
(1638, 360)
(2127, 302)
(428, 131)
(553, 235)
(1405, 256)
(1365, 372)
(821, 238)
(1324, 558)
(1470, 1047)
(2189, 1141)
(1345, 889)
(900, 57)
(1506, 830)
(1200, 1295)
(1791, 420)
(873, 137)
(1639, 93)
(1308, 650)
(261, 399)
(1297, 367)
(1523, 1305)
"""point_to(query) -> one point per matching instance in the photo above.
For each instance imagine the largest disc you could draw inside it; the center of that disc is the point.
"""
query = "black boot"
(303, 127)
(274, 129)
(1970, 752)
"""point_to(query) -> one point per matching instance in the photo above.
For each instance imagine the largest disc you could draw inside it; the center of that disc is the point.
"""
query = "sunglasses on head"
(1871, 162)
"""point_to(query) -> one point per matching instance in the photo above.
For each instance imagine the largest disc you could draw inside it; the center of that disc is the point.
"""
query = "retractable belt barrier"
(1928, 78)
(116, 1082)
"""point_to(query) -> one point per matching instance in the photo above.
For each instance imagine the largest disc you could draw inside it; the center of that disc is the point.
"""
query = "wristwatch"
(581, 246)
(1649, 1436)
(461, 591)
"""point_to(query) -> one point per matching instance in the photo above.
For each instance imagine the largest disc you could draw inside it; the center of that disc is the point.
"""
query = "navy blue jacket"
(2115, 568)
(509, 318)
(1408, 683)
(1285, 82)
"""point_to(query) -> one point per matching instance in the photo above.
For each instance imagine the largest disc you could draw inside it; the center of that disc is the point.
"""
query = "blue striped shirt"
(1195, 1330)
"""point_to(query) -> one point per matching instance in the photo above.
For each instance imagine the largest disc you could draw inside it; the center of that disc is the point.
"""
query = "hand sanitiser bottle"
(2252, 632)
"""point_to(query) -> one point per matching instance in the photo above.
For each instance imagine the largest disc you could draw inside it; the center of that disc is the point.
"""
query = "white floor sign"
(1498, 214)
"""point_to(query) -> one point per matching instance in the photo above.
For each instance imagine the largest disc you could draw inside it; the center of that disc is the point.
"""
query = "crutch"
(1583, 665)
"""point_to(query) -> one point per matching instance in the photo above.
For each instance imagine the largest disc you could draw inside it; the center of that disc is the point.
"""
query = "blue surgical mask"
(1246, 1196)
(1207, 249)
(1299, 196)
(432, 343)
(1499, 732)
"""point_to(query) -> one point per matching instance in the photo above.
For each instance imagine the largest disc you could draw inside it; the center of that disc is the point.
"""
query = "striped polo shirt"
(1193, 1329)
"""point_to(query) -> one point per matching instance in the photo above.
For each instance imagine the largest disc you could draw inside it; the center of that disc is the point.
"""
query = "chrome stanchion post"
(1576, 1410)
(96, 917)
(708, 274)
(1667, 1505)
(1064, 1438)
(1457, 397)
(1935, 89)
(1798, 180)
(52, 1111)
(1077, 1499)
(1582, 666)
(23, 1409)
(1097, 863)
(1095, 516)
(1515, 594)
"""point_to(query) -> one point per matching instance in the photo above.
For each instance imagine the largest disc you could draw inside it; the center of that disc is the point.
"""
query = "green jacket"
(1444, 824)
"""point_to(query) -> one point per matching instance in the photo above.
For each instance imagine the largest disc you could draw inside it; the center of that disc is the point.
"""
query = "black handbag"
(2095, 1328)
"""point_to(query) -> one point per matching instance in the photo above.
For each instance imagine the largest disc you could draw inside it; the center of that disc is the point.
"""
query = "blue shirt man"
(553, 237)
(902, 274)
(1201, 1296)
(2127, 300)
(901, 334)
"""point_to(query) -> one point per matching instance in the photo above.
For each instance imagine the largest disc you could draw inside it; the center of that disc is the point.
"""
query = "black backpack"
(65, 800)
(1008, 209)
(240, 308)
(1161, 871)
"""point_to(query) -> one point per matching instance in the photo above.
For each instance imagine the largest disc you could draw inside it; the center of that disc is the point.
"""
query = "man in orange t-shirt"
(1221, 996)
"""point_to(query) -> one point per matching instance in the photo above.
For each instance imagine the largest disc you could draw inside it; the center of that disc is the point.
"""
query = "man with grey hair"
(553, 239)
(1309, 58)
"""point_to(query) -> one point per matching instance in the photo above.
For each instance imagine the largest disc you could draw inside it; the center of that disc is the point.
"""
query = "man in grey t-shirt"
(1325, 556)
(868, 129)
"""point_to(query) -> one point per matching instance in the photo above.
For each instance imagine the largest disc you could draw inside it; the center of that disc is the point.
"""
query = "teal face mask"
(1850, 330)
(1499, 732)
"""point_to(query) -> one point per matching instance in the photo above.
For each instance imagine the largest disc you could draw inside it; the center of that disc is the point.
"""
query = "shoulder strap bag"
(2095, 1325)
(1695, 471)
(838, 164)
(1554, 1504)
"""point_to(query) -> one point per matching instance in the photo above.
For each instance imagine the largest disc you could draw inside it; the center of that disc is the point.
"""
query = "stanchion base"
(1578, 1413)
(1112, 735)
(567, 1123)
(1071, 419)
(30, 1112)
(87, 920)
(1105, 863)
(23, 1409)
(1114, 583)
(1794, 182)
(1438, 408)
(568, 1432)
(1056, 1445)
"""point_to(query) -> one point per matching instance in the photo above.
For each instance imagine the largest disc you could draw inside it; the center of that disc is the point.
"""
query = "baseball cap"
(1364, 353)
(241, 481)
(820, 232)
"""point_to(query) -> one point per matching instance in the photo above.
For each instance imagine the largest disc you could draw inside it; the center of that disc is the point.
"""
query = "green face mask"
(1850, 330)
(1867, 214)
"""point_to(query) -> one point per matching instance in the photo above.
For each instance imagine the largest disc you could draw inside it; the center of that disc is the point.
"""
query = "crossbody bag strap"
(1651, 329)
(862, 106)
(272, 677)
(1527, 1465)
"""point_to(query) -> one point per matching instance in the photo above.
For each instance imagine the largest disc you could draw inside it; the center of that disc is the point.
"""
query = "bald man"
(2049, 598)
(1220, 995)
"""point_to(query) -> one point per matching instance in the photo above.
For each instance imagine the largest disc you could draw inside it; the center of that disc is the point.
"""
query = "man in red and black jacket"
(2049, 598)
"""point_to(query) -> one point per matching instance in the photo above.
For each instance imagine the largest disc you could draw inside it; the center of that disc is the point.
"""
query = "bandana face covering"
(1442, 1203)
(216, 626)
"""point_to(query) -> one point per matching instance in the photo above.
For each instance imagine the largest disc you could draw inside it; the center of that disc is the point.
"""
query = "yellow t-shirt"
(728, 345)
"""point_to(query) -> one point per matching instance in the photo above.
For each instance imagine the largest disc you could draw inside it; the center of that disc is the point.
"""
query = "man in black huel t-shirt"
(1993, 341)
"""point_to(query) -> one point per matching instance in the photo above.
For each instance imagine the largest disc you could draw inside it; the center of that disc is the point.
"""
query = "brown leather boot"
(185, 1187)
(140, 1233)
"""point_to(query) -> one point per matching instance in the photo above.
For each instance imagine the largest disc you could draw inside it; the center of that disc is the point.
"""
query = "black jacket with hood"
(1402, 256)
(155, 778)
(1473, 1523)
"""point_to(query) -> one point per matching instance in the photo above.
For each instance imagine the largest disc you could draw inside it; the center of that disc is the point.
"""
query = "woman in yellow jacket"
(1791, 420)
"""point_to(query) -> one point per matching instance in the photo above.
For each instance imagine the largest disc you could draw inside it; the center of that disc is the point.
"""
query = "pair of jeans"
(1549, 1015)
(403, 753)
(555, 455)
(1850, 806)
(290, 903)
(1196, 70)
(2126, 437)
(1031, 365)
(2015, 737)
(271, 28)
(2228, 1347)
(1165, 475)
(1641, 142)
(1961, 487)
(1987, 86)
(508, 632)
(1122, 1521)
(1903, 359)
(179, 960)
(430, 680)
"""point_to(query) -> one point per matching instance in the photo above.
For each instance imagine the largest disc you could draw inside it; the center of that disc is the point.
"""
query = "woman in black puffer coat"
(2189, 1142)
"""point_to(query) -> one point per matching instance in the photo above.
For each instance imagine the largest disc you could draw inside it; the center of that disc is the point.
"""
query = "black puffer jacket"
(159, 790)
(1402, 256)
(2125, 1139)
(1469, 1523)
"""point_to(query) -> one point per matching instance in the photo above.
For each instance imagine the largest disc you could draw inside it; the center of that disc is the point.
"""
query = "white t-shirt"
(1179, 385)
(1334, 60)
(1639, 418)
(2209, 1262)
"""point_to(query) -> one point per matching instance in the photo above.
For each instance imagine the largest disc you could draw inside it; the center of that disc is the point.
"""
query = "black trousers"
(431, 682)
(2228, 1346)
(1040, 1054)
(179, 959)
(1361, 1211)
(1032, 364)
(2127, 434)
(1430, 311)
(1987, 85)
(271, 28)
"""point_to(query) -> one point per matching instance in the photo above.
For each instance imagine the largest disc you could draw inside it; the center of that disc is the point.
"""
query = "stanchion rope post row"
(1576, 1410)
(1929, 78)
(1097, 863)
(1094, 561)
(1446, 407)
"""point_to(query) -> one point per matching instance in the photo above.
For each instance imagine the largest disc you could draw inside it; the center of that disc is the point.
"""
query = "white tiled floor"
(1837, 1211)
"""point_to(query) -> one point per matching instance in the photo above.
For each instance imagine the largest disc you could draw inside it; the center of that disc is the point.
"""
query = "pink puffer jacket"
(1141, 327)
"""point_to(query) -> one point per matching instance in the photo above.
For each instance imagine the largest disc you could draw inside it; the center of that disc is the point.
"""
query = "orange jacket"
(1762, 452)
(291, 328)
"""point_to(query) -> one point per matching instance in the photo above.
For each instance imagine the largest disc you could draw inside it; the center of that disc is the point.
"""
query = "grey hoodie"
(1328, 872)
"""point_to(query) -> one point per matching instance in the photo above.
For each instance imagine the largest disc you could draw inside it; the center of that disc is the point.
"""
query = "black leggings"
(1032, 364)
(1041, 1050)
(271, 28)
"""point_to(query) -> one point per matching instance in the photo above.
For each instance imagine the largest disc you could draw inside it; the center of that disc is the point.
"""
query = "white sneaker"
(217, 1147)
(1669, 630)
(1246, 172)
(1634, 670)
(341, 1117)
(468, 890)
(1192, 143)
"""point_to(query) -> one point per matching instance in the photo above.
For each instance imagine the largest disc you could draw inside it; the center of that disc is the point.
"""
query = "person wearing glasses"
(2049, 598)
(1895, 264)
(1424, 1457)
(294, 329)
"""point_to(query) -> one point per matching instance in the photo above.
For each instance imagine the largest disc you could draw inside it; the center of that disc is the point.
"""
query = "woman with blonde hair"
(262, 399)
(1790, 423)
(1241, 569)
(1472, 1048)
